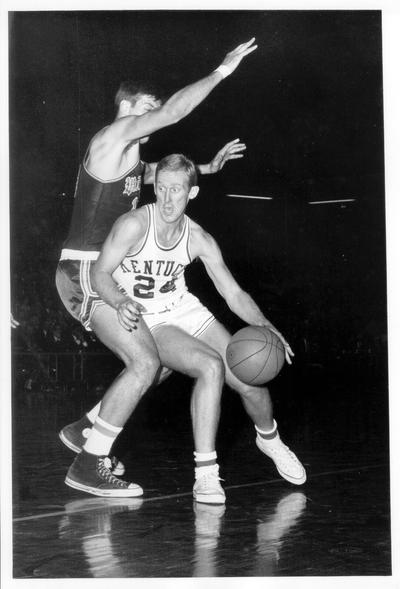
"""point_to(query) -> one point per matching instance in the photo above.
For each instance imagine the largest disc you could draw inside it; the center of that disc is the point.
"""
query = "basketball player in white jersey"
(109, 185)
(139, 276)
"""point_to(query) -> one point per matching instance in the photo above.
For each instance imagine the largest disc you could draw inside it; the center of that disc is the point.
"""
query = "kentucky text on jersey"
(157, 267)
(154, 272)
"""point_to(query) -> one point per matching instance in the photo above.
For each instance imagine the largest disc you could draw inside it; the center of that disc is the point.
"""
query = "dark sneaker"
(92, 474)
(75, 435)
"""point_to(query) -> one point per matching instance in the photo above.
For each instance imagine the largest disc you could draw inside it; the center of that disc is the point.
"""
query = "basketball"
(255, 355)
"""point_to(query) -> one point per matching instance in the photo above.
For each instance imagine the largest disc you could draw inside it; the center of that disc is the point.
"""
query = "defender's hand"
(128, 312)
(233, 58)
(230, 151)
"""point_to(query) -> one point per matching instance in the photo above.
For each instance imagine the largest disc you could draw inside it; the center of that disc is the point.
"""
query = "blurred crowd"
(44, 325)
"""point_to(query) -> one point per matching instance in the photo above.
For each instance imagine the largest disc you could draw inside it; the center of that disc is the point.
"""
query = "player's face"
(173, 193)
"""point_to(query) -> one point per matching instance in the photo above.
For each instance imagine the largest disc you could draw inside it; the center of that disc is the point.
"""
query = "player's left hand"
(288, 349)
(230, 151)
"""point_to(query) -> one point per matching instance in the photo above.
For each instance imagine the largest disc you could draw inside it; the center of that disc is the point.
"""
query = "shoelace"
(208, 478)
(105, 472)
(288, 452)
(114, 461)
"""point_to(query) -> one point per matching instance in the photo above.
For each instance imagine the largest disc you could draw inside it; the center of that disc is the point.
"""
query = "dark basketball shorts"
(75, 289)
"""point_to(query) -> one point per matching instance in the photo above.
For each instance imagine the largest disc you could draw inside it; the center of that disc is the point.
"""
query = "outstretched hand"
(230, 151)
(234, 57)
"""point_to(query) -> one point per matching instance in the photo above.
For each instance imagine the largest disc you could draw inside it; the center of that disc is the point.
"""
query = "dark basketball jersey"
(97, 206)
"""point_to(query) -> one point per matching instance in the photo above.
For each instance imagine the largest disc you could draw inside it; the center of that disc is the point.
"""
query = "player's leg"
(90, 471)
(258, 404)
(138, 352)
(74, 435)
(181, 352)
(256, 400)
(162, 375)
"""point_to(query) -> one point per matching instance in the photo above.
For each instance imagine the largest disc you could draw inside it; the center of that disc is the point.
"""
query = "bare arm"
(230, 151)
(239, 301)
(149, 172)
(180, 104)
(126, 232)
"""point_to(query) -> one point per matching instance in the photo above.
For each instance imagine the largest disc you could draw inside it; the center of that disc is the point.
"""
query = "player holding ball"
(139, 276)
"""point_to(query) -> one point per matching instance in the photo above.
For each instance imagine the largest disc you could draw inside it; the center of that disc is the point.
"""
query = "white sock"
(270, 434)
(205, 458)
(93, 413)
(101, 437)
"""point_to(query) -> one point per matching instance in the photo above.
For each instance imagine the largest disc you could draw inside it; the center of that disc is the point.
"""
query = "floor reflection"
(90, 523)
(113, 542)
(208, 524)
(272, 529)
(338, 523)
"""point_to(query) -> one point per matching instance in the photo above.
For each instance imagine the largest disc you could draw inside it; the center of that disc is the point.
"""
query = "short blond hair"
(176, 162)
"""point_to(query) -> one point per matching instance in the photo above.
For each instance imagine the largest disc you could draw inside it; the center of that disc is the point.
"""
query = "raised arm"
(240, 302)
(126, 232)
(180, 104)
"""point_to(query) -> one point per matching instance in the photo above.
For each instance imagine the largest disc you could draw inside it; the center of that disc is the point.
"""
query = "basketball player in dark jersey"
(108, 186)
(143, 260)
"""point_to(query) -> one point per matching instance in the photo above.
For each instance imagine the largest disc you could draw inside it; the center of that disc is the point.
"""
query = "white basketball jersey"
(154, 275)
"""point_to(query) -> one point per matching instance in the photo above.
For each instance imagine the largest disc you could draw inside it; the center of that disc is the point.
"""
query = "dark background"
(308, 104)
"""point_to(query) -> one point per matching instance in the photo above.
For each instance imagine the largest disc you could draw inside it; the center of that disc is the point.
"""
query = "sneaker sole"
(287, 477)
(300, 481)
(118, 472)
(135, 492)
(69, 444)
(211, 499)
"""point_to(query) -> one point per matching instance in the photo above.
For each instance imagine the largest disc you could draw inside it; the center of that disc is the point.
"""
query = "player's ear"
(124, 107)
(193, 192)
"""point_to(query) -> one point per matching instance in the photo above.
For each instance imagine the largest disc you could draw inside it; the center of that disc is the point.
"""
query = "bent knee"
(211, 366)
(145, 365)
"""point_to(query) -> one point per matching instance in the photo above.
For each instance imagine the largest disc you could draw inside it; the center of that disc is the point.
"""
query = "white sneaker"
(286, 462)
(207, 488)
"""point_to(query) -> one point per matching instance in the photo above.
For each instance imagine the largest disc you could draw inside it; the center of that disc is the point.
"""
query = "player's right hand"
(234, 57)
(128, 313)
(288, 350)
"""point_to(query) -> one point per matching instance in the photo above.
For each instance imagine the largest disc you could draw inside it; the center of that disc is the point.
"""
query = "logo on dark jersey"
(132, 184)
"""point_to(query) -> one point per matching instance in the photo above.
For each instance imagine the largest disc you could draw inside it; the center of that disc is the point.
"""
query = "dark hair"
(131, 91)
(176, 162)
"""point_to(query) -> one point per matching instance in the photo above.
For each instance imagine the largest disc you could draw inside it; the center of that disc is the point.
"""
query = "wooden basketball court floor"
(337, 524)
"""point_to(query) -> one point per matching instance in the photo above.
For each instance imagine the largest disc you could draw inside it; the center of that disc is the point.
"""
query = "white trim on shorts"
(68, 254)
(205, 326)
(84, 278)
